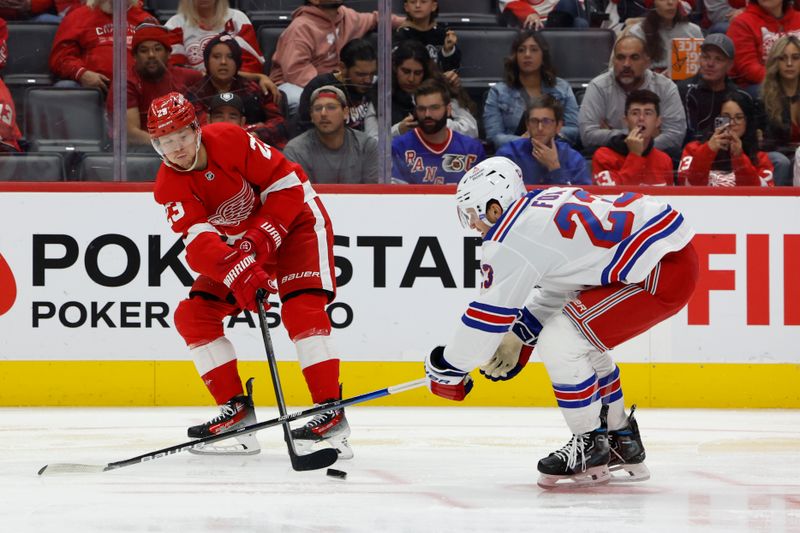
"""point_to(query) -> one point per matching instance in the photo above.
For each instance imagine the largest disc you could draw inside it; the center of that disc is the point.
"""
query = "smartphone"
(721, 122)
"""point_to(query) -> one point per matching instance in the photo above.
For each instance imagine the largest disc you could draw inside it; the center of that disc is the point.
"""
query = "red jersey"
(245, 181)
(695, 168)
(9, 132)
(613, 168)
(85, 41)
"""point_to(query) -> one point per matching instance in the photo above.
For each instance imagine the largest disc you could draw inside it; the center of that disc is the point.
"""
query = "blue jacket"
(505, 105)
(573, 171)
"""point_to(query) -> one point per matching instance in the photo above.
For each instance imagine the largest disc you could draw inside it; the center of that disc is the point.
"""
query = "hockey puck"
(338, 474)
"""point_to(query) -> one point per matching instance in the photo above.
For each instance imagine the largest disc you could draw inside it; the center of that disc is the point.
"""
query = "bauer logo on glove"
(444, 379)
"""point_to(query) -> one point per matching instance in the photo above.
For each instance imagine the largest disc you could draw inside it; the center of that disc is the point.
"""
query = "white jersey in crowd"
(559, 241)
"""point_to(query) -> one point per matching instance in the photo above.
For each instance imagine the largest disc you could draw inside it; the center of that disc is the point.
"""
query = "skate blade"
(629, 473)
(339, 444)
(598, 475)
(247, 445)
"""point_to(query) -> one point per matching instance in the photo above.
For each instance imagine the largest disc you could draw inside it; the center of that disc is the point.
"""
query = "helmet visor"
(468, 216)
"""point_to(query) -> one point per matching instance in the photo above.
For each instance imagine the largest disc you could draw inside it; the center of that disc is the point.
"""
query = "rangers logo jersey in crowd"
(418, 162)
(245, 181)
(559, 241)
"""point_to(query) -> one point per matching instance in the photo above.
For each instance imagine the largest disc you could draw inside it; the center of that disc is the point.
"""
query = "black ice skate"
(582, 461)
(237, 412)
(627, 453)
(330, 427)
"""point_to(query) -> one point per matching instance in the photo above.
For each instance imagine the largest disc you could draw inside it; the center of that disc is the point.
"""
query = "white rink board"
(390, 322)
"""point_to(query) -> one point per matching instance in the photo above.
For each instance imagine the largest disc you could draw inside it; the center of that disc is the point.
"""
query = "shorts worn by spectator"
(84, 43)
(602, 110)
(730, 156)
(312, 42)
(330, 152)
(544, 158)
(632, 159)
(202, 21)
(355, 77)
(151, 77)
(222, 60)
(528, 71)
(754, 32)
(432, 153)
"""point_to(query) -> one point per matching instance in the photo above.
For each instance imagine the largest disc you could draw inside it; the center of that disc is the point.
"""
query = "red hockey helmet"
(169, 113)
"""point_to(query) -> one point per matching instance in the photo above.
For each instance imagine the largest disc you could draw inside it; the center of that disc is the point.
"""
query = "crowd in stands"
(704, 92)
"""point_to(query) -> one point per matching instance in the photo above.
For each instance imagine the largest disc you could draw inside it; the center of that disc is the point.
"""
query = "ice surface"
(415, 470)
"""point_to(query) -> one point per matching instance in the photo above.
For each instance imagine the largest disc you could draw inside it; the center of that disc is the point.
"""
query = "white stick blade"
(70, 468)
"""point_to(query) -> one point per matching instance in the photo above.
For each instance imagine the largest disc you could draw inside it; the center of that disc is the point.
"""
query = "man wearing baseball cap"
(330, 152)
(702, 94)
(151, 77)
(226, 107)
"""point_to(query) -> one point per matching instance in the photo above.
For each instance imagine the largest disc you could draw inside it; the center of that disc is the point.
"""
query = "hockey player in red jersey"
(249, 220)
(574, 275)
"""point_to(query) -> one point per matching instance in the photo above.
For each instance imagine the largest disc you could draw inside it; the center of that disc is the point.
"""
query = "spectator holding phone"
(542, 156)
(730, 156)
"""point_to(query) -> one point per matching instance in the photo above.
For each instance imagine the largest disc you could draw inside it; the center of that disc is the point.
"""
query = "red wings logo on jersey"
(236, 209)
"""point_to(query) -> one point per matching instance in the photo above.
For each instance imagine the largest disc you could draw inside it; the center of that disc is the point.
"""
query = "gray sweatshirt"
(605, 100)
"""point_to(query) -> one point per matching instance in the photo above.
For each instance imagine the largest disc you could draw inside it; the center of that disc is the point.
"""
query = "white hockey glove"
(515, 349)
(508, 360)
(444, 379)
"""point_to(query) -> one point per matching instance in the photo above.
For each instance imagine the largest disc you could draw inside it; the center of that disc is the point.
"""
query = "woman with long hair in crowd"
(781, 96)
(730, 156)
(529, 73)
(411, 65)
(666, 21)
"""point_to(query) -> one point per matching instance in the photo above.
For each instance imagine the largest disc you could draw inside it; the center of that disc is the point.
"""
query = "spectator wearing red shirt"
(9, 132)
(83, 49)
(754, 32)
(223, 62)
(632, 159)
(151, 77)
(730, 157)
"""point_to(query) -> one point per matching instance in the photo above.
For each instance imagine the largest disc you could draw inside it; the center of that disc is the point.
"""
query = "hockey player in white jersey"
(574, 275)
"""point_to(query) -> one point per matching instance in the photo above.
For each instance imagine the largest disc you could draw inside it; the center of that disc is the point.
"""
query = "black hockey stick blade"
(75, 468)
(310, 461)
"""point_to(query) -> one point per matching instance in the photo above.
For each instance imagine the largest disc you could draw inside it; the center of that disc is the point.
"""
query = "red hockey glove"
(444, 379)
(262, 239)
(508, 360)
(244, 280)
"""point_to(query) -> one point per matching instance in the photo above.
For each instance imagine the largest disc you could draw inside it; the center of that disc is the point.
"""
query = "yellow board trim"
(175, 383)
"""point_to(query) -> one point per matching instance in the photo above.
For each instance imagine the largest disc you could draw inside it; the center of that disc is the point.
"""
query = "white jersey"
(559, 241)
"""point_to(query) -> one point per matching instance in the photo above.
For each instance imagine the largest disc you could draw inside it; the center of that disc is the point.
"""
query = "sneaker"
(627, 452)
(235, 413)
(582, 461)
(330, 427)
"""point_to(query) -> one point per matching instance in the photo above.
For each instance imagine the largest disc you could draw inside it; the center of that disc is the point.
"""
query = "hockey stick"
(72, 468)
(311, 461)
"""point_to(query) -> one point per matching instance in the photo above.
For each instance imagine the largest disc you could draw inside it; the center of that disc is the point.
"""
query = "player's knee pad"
(304, 315)
(198, 321)
(561, 347)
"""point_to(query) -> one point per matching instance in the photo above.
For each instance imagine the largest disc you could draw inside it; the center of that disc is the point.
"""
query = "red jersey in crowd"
(618, 167)
(85, 41)
(697, 159)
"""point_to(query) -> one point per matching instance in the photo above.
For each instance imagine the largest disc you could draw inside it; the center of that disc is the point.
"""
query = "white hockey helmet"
(495, 178)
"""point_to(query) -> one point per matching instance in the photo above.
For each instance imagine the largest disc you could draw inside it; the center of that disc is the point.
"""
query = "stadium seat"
(99, 167)
(579, 54)
(162, 9)
(29, 47)
(65, 120)
(482, 53)
(268, 41)
(461, 13)
(31, 167)
(269, 12)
